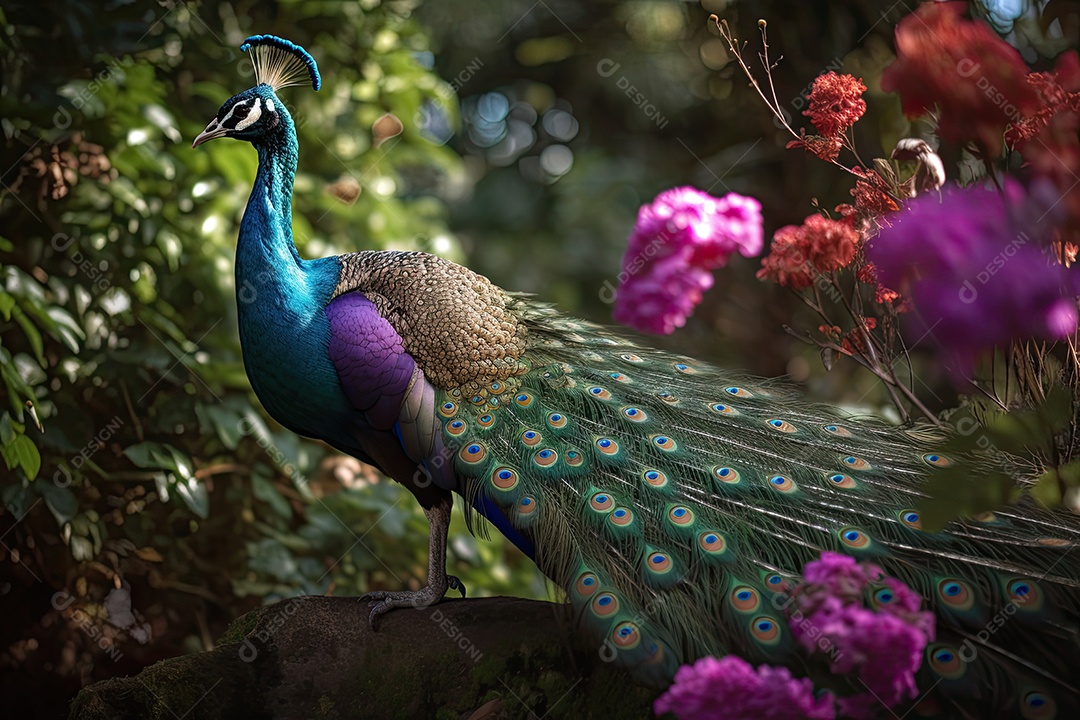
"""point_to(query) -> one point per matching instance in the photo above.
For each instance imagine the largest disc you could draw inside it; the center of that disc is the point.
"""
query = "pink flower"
(731, 689)
(882, 648)
(679, 239)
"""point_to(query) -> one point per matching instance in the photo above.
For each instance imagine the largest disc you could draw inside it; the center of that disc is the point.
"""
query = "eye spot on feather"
(935, 460)
(630, 357)
(524, 399)
(599, 393)
(626, 635)
(684, 368)
(1037, 706)
(587, 584)
(765, 629)
(456, 427)
(621, 517)
(840, 480)
(659, 562)
(531, 438)
(745, 599)
(574, 458)
(546, 457)
(1025, 594)
(738, 392)
(783, 483)
(664, 443)
(486, 420)
(911, 519)
(955, 594)
(667, 397)
(607, 446)
(619, 377)
(448, 409)
(478, 400)
(838, 430)
(605, 605)
(497, 387)
(722, 409)
(656, 478)
(727, 475)
(712, 542)
(681, 515)
(854, 538)
(473, 453)
(504, 478)
(601, 502)
(946, 662)
(634, 414)
(781, 425)
(776, 583)
(526, 505)
(556, 420)
(855, 463)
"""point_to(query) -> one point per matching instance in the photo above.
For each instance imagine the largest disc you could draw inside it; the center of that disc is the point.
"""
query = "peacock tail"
(676, 503)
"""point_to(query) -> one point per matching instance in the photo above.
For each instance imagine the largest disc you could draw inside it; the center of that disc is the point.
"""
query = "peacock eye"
(241, 111)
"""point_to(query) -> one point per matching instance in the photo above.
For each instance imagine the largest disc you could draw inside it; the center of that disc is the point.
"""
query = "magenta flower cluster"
(978, 270)
(730, 688)
(678, 240)
(880, 647)
(883, 648)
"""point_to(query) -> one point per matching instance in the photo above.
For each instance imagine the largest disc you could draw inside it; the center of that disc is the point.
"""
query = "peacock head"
(257, 114)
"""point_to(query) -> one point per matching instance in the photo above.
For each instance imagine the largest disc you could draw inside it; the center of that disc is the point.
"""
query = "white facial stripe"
(254, 115)
(270, 105)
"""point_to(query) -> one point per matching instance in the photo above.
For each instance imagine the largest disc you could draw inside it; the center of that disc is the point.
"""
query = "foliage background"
(160, 503)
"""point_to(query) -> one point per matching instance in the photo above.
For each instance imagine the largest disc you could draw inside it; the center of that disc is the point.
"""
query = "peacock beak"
(213, 131)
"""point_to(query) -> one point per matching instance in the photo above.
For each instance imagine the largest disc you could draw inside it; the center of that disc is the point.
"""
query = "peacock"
(669, 499)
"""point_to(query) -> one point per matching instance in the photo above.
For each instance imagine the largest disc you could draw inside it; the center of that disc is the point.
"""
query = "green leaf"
(6, 304)
(17, 499)
(61, 501)
(146, 454)
(194, 495)
(32, 334)
(264, 490)
(26, 454)
(1047, 489)
(1070, 473)
(956, 492)
(7, 429)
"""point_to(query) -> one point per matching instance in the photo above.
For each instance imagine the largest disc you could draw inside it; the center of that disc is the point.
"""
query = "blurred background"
(156, 502)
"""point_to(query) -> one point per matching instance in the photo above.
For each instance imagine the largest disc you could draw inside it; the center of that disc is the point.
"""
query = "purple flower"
(679, 239)
(883, 649)
(979, 278)
(731, 689)
(880, 648)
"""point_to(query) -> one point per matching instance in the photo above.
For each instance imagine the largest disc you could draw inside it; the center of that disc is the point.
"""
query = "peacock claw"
(438, 581)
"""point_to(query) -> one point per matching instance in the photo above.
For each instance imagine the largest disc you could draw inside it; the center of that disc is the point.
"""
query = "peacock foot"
(385, 600)
(438, 581)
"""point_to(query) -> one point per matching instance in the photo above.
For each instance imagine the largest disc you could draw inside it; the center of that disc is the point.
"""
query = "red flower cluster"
(1058, 93)
(835, 103)
(1055, 154)
(799, 253)
(976, 79)
(873, 199)
(867, 274)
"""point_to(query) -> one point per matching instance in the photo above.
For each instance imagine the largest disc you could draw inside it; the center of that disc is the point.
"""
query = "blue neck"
(266, 239)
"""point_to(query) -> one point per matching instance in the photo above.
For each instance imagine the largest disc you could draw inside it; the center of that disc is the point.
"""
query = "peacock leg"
(439, 582)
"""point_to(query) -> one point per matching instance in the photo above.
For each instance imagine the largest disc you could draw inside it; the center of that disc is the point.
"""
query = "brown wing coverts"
(457, 325)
